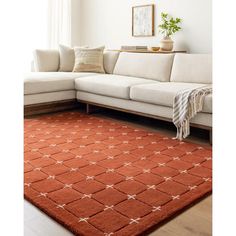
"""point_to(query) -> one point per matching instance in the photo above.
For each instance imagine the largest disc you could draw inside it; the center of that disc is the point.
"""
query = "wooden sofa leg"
(88, 109)
(210, 136)
(91, 109)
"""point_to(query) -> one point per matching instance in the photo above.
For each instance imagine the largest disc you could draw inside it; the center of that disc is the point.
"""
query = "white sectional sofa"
(140, 83)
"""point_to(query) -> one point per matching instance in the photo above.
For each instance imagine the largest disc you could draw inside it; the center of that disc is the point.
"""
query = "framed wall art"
(143, 20)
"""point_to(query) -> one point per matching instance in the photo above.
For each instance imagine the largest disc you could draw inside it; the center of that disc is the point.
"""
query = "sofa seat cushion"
(109, 85)
(43, 82)
(163, 93)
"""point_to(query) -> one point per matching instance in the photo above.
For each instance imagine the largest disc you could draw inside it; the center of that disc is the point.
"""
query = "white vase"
(166, 44)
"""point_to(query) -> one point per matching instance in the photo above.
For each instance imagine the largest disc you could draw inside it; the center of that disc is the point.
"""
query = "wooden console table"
(148, 51)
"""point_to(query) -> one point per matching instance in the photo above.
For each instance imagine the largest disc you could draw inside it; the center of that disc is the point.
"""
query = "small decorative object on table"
(155, 49)
(133, 48)
(168, 28)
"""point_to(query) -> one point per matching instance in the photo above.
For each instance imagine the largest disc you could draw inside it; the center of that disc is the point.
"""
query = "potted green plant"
(168, 27)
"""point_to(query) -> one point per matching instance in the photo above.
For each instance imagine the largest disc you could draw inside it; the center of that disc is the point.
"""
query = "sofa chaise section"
(46, 89)
(44, 82)
(43, 90)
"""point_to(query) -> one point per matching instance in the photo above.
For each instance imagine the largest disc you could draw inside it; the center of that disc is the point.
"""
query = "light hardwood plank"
(194, 221)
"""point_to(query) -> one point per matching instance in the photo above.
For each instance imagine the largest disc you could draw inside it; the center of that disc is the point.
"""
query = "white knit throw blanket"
(186, 105)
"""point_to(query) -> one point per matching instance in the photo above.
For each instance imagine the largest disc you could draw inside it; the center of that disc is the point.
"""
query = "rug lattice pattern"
(101, 177)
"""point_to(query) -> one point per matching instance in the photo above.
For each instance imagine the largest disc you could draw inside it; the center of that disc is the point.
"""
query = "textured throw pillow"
(67, 58)
(89, 60)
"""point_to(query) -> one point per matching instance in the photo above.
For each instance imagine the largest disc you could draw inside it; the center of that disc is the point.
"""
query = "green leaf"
(169, 24)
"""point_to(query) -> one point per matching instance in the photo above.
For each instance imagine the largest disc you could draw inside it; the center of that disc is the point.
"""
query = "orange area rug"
(101, 177)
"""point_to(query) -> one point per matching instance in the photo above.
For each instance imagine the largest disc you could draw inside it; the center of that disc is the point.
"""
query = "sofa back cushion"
(145, 65)
(67, 58)
(46, 60)
(109, 60)
(192, 68)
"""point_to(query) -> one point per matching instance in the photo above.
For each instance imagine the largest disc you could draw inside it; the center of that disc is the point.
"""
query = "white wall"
(109, 23)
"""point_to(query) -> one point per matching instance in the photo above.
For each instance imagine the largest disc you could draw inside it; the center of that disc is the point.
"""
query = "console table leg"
(88, 110)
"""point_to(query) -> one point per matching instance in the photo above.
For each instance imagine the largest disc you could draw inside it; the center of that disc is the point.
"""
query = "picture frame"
(143, 21)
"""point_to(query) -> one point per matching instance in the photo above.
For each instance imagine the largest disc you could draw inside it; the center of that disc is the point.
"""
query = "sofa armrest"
(46, 60)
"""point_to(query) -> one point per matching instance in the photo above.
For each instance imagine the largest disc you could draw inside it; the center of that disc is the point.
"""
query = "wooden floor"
(197, 220)
(194, 221)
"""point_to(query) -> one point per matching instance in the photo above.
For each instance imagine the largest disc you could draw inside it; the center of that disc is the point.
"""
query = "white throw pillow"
(67, 58)
(89, 59)
(46, 60)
